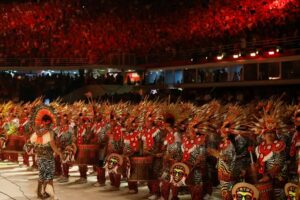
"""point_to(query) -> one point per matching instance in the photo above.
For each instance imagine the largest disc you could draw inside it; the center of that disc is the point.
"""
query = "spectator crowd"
(95, 30)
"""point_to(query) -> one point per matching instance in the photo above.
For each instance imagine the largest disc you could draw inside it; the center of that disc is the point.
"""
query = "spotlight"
(253, 54)
(236, 55)
(271, 53)
(220, 57)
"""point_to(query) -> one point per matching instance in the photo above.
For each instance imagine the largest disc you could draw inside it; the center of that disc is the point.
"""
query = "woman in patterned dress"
(44, 145)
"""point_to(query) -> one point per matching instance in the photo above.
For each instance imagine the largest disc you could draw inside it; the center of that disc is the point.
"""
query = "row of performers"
(194, 154)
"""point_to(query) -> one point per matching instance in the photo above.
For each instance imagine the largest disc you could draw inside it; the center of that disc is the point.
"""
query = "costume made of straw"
(114, 141)
(3, 136)
(43, 118)
(172, 147)
(234, 124)
(85, 139)
(26, 130)
(65, 141)
(195, 151)
(100, 128)
(271, 156)
(10, 127)
(295, 160)
(131, 147)
(153, 140)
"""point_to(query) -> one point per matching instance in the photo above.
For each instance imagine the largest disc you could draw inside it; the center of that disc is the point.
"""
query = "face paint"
(113, 162)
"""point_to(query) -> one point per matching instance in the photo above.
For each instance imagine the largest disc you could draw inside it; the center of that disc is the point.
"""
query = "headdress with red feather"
(43, 114)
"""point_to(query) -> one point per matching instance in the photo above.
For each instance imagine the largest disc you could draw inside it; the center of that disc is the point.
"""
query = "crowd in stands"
(28, 87)
(94, 30)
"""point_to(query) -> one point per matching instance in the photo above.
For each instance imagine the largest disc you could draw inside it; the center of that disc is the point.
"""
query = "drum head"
(114, 160)
(290, 190)
(179, 171)
(244, 191)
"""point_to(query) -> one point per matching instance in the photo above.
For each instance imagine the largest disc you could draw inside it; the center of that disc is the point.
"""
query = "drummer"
(100, 128)
(114, 139)
(82, 133)
(3, 138)
(272, 168)
(11, 128)
(25, 130)
(65, 138)
(131, 147)
(57, 159)
(153, 140)
(173, 154)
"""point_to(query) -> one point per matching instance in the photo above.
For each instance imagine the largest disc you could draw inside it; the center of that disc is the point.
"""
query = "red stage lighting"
(271, 53)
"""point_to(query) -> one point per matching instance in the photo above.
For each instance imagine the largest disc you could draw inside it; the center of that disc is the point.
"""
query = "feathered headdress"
(43, 114)
(270, 119)
(235, 120)
(297, 117)
(207, 118)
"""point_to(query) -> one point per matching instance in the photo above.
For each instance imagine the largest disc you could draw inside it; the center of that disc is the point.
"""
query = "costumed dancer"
(83, 132)
(195, 144)
(12, 124)
(26, 130)
(172, 155)
(131, 147)
(56, 131)
(292, 189)
(234, 123)
(114, 161)
(100, 128)
(270, 152)
(3, 138)
(66, 144)
(43, 119)
(153, 140)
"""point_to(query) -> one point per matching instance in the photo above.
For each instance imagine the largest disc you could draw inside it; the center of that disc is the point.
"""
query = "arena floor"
(18, 183)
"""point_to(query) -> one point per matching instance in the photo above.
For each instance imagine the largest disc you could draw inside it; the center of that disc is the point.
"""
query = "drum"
(265, 190)
(141, 168)
(114, 164)
(178, 174)
(290, 190)
(68, 156)
(29, 148)
(243, 191)
(87, 154)
(2, 142)
(251, 175)
(15, 143)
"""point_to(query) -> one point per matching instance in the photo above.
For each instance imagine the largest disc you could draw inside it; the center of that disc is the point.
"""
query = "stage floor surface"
(16, 182)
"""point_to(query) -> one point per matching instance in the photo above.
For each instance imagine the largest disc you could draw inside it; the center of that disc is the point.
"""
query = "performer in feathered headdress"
(295, 156)
(100, 129)
(194, 147)
(153, 139)
(66, 143)
(115, 138)
(3, 137)
(43, 119)
(270, 152)
(234, 124)
(172, 149)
